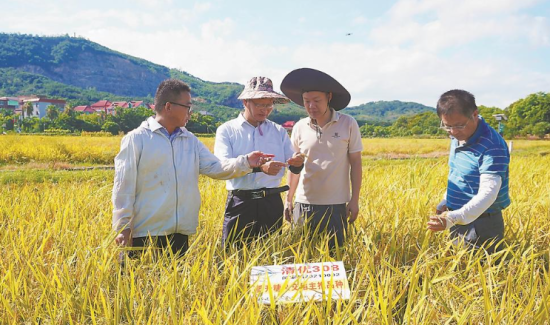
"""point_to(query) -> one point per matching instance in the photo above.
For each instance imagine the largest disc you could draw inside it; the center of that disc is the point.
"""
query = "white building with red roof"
(87, 109)
(102, 106)
(40, 105)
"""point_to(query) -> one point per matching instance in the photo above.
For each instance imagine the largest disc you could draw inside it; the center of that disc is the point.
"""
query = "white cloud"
(202, 7)
(539, 31)
(418, 50)
(217, 29)
(155, 3)
(437, 24)
(389, 73)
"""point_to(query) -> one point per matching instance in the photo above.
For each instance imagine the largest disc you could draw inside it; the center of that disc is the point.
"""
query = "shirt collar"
(479, 130)
(243, 120)
(154, 126)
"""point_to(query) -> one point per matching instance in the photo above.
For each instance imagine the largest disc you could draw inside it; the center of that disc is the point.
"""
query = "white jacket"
(156, 185)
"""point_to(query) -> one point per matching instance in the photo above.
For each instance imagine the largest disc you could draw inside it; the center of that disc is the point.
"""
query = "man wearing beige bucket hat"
(332, 144)
(254, 206)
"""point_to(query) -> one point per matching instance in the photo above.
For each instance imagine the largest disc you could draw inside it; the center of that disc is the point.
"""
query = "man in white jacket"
(156, 195)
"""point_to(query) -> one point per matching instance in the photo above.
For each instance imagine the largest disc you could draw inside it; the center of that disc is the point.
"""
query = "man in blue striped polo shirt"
(477, 188)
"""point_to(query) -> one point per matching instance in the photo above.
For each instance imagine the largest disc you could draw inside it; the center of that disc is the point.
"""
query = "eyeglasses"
(189, 107)
(456, 127)
(267, 106)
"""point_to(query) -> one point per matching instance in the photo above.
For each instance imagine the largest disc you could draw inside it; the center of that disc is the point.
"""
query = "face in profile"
(180, 109)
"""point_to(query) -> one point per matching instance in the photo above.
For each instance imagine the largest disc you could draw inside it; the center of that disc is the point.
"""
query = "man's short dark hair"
(169, 90)
(456, 100)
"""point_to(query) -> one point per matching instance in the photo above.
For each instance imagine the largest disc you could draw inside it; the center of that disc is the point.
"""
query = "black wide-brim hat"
(303, 80)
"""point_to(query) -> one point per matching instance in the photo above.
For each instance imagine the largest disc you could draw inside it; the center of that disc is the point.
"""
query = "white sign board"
(299, 282)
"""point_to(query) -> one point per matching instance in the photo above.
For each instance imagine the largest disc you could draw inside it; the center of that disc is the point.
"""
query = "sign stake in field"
(291, 283)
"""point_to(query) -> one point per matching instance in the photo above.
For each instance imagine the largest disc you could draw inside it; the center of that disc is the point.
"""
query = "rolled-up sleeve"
(124, 187)
(217, 168)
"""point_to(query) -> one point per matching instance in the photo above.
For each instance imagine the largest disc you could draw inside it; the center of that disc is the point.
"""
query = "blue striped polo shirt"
(485, 152)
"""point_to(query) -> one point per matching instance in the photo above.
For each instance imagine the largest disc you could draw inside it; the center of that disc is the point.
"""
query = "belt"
(488, 214)
(259, 193)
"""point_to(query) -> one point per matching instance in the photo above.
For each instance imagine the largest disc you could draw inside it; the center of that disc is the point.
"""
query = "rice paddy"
(58, 263)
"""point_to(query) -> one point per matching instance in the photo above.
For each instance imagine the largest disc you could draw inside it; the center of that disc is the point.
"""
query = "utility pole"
(500, 118)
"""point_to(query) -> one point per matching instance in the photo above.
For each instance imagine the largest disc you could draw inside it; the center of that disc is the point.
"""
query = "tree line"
(69, 121)
(527, 116)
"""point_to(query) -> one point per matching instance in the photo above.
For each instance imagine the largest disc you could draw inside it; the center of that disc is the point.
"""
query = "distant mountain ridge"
(83, 72)
(387, 111)
(88, 65)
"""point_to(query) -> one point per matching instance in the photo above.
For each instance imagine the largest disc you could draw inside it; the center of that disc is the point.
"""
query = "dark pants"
(324, 218)
(178, 243)
(486, 231)
(247, 218)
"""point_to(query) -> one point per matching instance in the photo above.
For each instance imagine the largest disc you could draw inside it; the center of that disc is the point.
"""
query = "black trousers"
(486, 231)
(320, 219)
(247, 218)
(178, 243)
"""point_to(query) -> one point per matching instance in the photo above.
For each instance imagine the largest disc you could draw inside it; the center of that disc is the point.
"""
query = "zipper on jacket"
(176, 176)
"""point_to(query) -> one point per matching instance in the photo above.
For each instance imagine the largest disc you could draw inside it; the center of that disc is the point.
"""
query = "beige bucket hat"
(262, 87)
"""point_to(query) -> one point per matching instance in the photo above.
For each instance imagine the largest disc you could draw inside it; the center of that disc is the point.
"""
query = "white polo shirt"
(325, 178)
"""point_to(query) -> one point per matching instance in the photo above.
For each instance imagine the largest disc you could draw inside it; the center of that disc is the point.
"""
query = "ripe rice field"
(58, 263)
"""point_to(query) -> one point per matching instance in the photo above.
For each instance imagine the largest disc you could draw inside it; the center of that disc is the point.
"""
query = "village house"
(104, 106)
(39, 105)
(109, 107)
(86, 109)
(10, 103)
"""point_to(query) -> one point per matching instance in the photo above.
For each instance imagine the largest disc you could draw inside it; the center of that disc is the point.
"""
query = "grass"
(59, 265)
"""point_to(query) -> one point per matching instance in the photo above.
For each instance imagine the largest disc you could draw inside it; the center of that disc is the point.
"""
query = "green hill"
(83, 72)
(386, 111)
(80, 63)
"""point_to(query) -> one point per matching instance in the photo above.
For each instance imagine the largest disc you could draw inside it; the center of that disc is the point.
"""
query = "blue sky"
(409, 50)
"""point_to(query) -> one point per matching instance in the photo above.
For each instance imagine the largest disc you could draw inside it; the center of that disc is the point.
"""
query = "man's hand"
(258, 158)
(272, 168)
(352, 211)
(438, 222)
(124, 238)
(297, 159)
(443, 209)
(289, 208)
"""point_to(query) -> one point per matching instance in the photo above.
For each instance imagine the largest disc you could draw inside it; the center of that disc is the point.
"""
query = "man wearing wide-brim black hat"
(331, 143)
